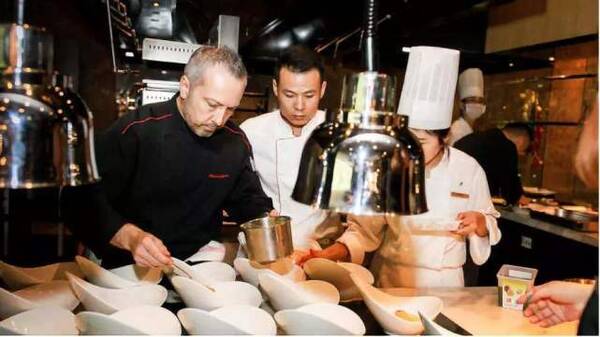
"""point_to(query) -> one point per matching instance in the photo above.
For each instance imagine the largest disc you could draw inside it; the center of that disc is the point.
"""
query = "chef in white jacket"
(428, 250)
(277, 140)
(472, 103)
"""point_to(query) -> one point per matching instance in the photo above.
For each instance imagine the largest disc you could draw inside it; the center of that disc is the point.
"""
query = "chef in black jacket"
(497, 151)
(169, 169)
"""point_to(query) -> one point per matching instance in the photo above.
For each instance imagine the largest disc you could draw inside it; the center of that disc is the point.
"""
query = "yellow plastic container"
(514, 281)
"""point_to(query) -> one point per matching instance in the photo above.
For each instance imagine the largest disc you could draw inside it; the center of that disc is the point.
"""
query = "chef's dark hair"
(519, 130)
(440, 134)
(299, 59)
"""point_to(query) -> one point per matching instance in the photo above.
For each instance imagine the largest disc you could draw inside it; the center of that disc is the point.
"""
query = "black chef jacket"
(498, 157)
(159, 175)
(588, 323)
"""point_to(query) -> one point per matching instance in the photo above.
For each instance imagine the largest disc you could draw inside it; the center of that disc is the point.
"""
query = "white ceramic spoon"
(134, 275)
(320, 319)
(397, 315)
(40, 321)
(140, 320)
(196, 295)
(21, 277)
(286, 294)
(108, 301)
(53, 293)
(228, 320)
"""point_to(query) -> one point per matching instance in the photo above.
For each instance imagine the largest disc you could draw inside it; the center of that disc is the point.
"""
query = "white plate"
(212, 251)
(197, 295)
(338, 274)
(181, 268)
(320, 319)
(141, 320)
(384, 306)
(431, 224)
(20, 277)
(215, 271)
(40, 321)
(53, 293)
(250, 274)
(286, 294)
(123, 277)
(108, 301)
(228, 320)
(138, 274)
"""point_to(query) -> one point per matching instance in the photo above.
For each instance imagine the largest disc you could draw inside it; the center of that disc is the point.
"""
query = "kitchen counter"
(475, 309)
(521, 216)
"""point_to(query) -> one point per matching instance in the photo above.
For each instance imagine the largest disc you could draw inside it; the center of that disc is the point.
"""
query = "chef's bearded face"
(210, 92)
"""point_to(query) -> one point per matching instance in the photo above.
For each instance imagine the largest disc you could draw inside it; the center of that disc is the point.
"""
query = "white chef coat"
(458, 130)
(277, 153)
(410, 257)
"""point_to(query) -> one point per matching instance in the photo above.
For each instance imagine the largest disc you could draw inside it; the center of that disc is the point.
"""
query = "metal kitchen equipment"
(46, 131)
(268, 239)
(366, 162)
(73, 136)
(580, 221)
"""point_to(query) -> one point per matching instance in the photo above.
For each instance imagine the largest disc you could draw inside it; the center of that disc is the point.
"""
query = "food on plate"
(405, 315)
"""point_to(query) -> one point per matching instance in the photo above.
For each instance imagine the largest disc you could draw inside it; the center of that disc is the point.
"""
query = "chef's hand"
(555, 302)
(147, 249)
(300, 256)
(470, 222)
(335, 252)
(274, 212)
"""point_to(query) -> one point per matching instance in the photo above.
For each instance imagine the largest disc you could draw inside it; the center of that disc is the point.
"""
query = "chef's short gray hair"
(209, 56)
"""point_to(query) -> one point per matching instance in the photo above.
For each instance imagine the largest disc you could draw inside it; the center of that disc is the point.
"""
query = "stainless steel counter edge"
(521, 216)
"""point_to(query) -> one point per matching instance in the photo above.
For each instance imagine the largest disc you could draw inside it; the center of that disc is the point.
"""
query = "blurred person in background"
(472, 104)
(498, 151)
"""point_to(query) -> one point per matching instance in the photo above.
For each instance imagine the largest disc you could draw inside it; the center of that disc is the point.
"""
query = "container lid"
(517, 272)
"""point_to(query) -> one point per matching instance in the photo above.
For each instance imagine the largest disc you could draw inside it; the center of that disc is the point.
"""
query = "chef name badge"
(459, 195)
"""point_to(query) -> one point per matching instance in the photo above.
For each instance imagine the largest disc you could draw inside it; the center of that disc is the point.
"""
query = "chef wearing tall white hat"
(472, 104)
(429, 250)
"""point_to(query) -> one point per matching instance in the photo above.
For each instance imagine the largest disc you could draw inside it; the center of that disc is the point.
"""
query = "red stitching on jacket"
(218, 176)
(241, 134)
(142, 121)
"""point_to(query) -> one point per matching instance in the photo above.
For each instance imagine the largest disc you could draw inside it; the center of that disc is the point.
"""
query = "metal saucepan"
(267, 239)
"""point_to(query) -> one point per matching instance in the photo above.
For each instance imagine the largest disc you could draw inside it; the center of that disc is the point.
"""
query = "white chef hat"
(429, 85)
(470, 83)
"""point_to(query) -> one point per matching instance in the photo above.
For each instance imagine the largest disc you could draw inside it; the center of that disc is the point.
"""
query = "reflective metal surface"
(26, 142)
(73, 137)
(367, 161)
(46, 131)
(25, 49)
(268, 239)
